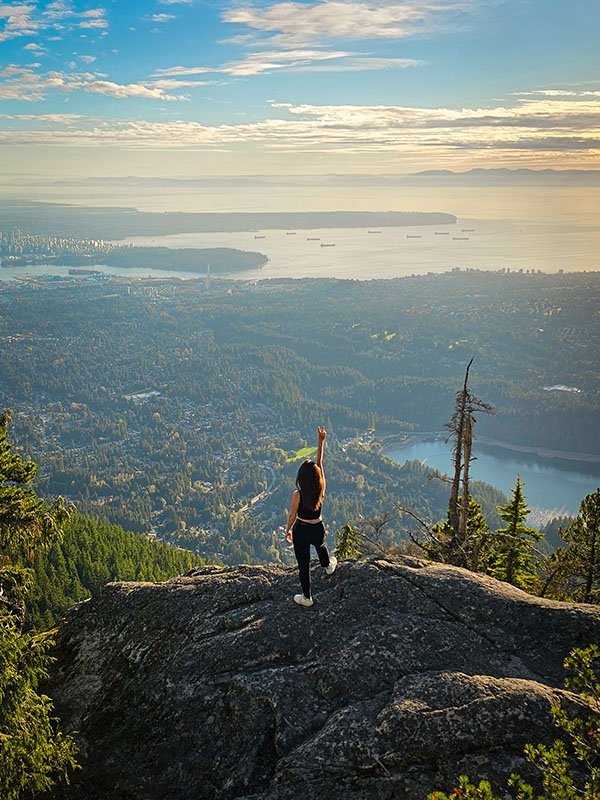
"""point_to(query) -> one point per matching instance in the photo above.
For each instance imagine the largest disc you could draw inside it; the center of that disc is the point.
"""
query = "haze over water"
(516, 228)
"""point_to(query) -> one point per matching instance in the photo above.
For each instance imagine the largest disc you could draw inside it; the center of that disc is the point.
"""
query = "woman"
(305, 524)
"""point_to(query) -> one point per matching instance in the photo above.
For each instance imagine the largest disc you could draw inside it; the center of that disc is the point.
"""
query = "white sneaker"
(303, 601)
(332, 565)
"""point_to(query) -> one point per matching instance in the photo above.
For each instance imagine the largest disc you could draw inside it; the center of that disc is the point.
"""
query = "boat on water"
(413, 236)
(313, 239)
(290, 233)
(468, 230)
(323, 244)
(260, 237)
(373, 231)
(441, 233)
(460, 238)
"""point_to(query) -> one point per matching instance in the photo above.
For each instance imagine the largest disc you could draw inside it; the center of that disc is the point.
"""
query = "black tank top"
(304, 512)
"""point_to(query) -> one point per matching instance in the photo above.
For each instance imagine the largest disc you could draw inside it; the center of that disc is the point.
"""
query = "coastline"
(540, 452)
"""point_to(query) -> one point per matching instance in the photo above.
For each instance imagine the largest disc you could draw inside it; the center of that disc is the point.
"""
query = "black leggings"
(303, 535)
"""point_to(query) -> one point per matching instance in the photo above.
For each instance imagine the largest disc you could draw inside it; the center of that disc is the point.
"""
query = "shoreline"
(540, 452)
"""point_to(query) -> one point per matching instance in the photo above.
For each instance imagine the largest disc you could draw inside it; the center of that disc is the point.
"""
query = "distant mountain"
(442, 177)
(510, 177)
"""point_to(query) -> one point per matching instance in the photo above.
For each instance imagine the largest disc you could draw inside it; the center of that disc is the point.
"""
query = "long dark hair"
(310, 484)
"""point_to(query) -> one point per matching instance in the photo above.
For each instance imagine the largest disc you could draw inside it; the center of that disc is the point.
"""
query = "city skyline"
(189, 87)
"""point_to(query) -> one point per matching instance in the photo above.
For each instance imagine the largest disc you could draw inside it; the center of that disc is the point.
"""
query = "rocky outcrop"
(215, 686)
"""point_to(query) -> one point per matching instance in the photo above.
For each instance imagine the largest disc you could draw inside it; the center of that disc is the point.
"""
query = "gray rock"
(215, 686)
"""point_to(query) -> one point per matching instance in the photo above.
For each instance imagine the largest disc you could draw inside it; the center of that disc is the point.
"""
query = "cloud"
(168, 84)
(537, 128)
(295, 61)
(558, 93)
(87, 59)
(296, 37)
(18, 21)
(28, 19)
(23, 83)
(55, 119)
(159, 18)
(96, 22)
(300, 24)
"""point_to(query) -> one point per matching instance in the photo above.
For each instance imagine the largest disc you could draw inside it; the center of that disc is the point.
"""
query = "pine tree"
(510, 552)
(33, 754)
(348, 543)
(441, 545)
(580, 558)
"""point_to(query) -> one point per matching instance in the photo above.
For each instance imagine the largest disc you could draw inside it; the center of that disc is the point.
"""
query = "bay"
(550, 229)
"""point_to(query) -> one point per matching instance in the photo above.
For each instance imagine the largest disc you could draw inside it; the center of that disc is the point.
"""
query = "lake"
(552, 486)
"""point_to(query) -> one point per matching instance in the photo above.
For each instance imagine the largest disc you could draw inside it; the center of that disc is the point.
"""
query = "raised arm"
(294, 503)
(322, 434)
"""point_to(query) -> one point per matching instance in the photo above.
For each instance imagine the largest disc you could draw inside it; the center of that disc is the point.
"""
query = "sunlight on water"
(550, 484)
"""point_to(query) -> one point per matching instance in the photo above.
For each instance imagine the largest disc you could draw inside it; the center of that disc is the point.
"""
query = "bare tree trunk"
(589, 578)
(464, 505)
(548, 581)
(458, 429)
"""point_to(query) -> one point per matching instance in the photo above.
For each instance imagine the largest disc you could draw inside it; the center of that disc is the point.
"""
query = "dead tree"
(461, 434)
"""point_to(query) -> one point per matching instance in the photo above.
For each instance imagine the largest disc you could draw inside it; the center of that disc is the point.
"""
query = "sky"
(200, 87)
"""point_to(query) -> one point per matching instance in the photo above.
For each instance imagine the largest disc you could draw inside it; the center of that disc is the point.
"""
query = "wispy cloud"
(560, 129)
(24, 83)
(305, 37)
(558, 93)
(296, 61)
(33, 47)
(300, 24)
(159, 18)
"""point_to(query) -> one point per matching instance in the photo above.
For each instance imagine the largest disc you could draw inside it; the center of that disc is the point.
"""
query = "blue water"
(550, 484)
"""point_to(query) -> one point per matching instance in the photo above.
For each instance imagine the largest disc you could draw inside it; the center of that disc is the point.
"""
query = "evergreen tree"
(33, 754)
(348, 543)
(510, 553)
(580, 559)
(442, 544)
(93, 552)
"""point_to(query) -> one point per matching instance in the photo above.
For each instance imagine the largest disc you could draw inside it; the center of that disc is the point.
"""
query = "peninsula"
(115, 223)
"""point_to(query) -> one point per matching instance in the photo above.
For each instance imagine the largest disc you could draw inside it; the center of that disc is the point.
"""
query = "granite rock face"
(215, 686)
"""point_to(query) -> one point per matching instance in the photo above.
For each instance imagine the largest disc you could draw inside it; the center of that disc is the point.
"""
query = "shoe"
(303, 601)
(332, 565)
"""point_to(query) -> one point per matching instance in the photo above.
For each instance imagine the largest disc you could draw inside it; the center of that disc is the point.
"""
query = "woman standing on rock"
(305, 524)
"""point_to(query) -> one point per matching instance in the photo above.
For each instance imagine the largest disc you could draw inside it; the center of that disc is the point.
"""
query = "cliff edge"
(215, 686)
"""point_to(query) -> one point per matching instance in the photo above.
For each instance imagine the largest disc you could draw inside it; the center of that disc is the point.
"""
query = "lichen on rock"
(215, 686)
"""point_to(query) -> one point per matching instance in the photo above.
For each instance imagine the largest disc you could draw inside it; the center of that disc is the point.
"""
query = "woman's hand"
(289, 537)
(321, 433)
